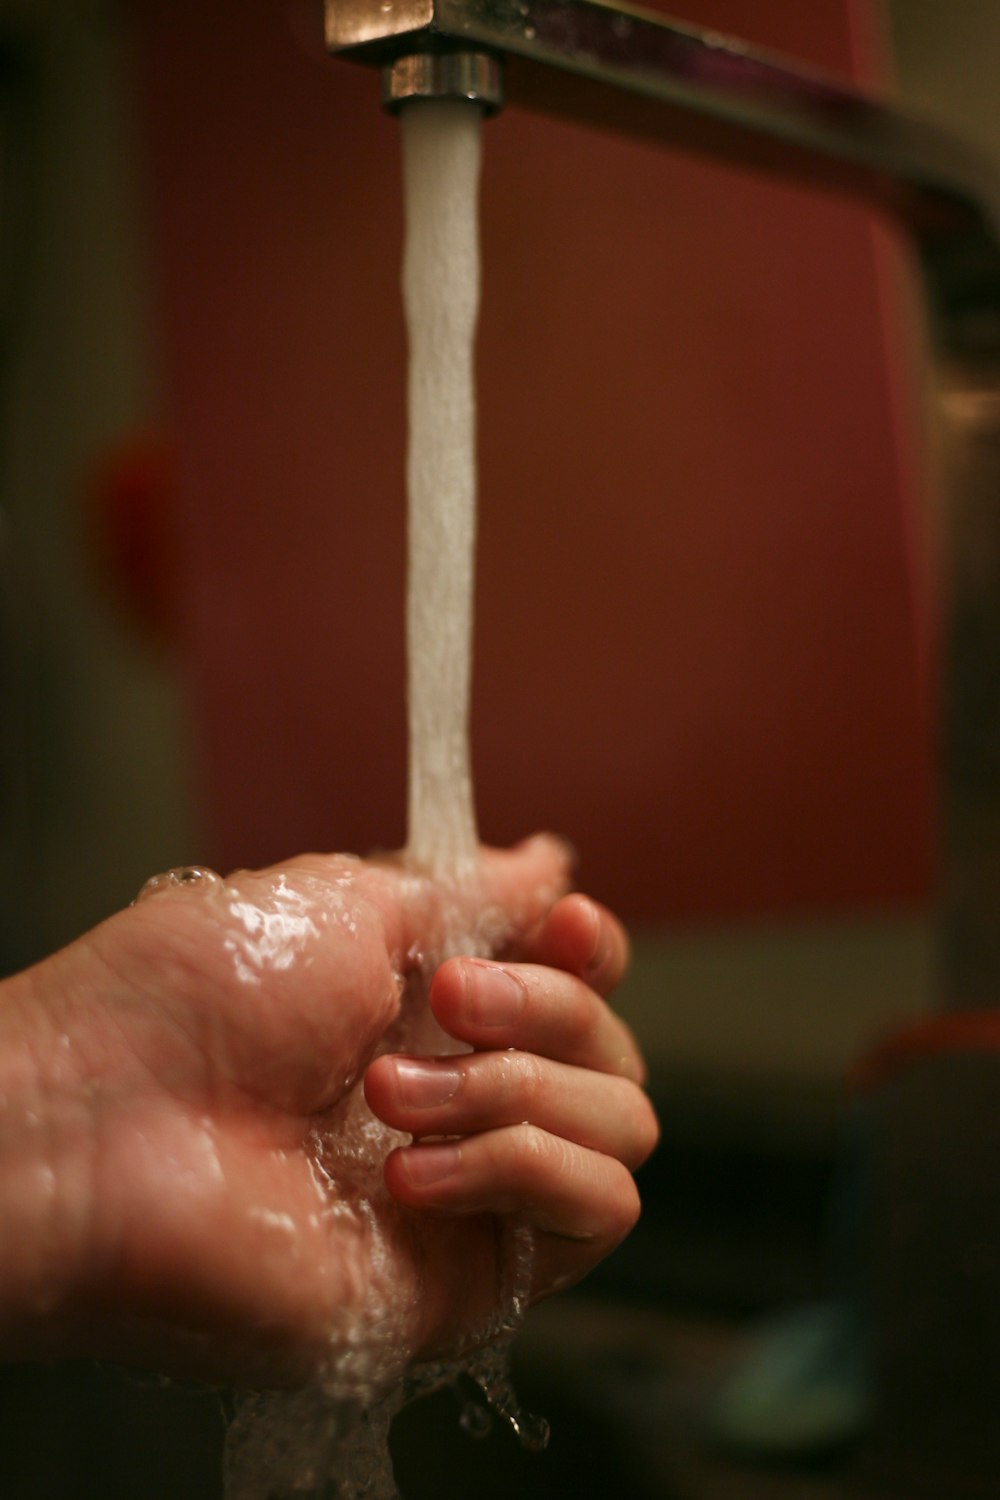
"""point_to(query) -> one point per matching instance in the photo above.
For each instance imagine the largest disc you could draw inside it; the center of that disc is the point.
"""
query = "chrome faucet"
(624, 69)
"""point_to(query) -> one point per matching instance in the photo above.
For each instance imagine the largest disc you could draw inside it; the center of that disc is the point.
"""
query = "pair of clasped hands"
(162, 1078)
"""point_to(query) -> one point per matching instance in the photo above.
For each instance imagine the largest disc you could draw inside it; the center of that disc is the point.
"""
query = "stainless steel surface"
(475, 76)
(623, 69)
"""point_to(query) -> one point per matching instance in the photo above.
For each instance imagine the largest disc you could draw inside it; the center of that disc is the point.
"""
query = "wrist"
(45, 1198)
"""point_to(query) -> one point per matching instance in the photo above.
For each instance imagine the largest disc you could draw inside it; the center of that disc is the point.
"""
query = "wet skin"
(174, 1085)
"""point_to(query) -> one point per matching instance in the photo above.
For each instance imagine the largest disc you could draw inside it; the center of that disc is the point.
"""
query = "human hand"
(187, 1203)
(544, 1119)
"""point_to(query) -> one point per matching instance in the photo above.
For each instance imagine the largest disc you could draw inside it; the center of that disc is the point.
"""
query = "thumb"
(505, 894)
(520, 885)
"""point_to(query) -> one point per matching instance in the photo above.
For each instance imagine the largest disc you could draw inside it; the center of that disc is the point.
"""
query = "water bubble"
(476, 1421)
(197, 878)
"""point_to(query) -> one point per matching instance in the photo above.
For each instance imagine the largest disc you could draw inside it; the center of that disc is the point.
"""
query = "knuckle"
(531, 1141)
(530, 1080)
(624, 949)
(533, 1150)
(647, 1130)
(612, 957)
(507, 1086)
(625, 1207)
(637, 1130)
(578, 1018)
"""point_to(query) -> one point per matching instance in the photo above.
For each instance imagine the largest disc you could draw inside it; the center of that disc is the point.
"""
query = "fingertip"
(553, 846)
(394, 1176)
(581, 929)
(527, 880)
(449, 993)
(378, 1082)
(626, 1210)
(584, 938)
(608, 958)
(420, 1176)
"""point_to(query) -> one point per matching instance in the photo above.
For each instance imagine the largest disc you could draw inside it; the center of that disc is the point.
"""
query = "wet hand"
(169, 1085)
(544, 1120)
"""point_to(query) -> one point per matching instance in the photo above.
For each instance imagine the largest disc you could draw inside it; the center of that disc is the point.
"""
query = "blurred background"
(706, 643)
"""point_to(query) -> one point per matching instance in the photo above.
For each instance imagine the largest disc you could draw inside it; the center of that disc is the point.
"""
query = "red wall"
(698, 649)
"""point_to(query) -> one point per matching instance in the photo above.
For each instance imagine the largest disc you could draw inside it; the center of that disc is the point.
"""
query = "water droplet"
(183, 877)
(532, 1431)
(476, 1421)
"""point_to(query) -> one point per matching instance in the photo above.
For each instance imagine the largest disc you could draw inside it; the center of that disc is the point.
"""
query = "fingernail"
(599, 951)
(427, 1164)
(422, 1084)
(495, 996)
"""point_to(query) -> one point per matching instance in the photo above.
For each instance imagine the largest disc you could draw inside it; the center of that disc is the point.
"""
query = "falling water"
(331, 1439)
(442, 154)
(441, 160)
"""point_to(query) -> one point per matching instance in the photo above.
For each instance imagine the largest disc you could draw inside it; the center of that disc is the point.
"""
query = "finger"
(455, 1096)
(582, 937)
(555, 1185)
(524, 882)
(534, 1009)
(505, 895)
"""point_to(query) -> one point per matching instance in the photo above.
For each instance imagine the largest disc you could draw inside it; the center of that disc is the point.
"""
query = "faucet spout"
(475, 76)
